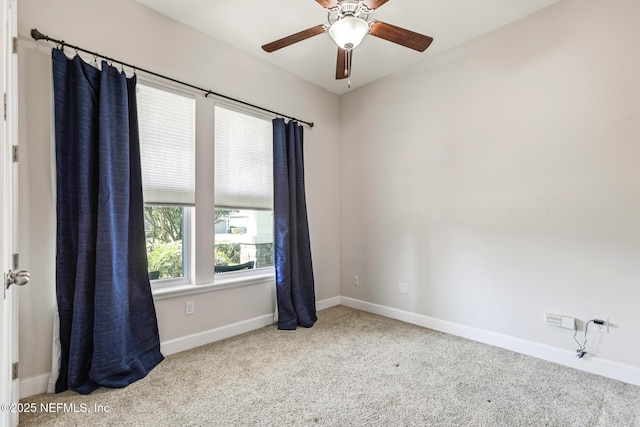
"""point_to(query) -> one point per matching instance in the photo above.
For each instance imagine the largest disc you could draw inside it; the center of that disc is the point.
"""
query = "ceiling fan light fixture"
(348, 32)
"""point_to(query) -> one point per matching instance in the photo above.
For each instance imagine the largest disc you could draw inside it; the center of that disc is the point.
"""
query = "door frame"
(5, 314)
(9, 393)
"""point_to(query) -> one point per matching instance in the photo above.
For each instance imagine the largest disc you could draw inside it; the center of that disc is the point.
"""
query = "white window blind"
(243, 160)
(167, 144)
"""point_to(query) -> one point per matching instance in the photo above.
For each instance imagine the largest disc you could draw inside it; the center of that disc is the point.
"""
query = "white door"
(8, 232)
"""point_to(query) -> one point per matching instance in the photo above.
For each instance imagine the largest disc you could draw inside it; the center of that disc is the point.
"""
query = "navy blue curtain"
(292, 250)
(108, 326)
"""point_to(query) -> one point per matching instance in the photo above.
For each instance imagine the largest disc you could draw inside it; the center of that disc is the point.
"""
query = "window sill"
(227, 281)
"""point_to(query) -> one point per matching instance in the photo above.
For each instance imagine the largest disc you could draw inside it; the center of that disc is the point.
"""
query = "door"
(8, 232)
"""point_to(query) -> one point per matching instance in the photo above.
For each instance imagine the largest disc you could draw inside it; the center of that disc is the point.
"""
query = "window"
(167, 144)
(232, 226)
(243, 220)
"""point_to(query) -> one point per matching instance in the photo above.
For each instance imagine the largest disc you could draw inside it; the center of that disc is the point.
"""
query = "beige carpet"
(351, 368)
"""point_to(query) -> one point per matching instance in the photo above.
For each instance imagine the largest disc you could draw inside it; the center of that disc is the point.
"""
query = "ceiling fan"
(348, 24)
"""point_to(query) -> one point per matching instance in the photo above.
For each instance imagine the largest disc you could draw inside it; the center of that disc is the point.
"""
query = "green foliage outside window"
(227, 254)
(163, 228)
(166, 259)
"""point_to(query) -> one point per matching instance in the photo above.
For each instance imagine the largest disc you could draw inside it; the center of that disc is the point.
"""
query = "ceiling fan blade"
(401, 36)
(343, 64)
(328, 4)
(374, 4)
(293, 38)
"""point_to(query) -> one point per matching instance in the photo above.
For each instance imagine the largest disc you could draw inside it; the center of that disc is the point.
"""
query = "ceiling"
(248, 24)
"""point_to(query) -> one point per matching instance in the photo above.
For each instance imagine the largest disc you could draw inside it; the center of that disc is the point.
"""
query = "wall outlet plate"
(189, 308)
(553, 319)
(603, 328)
(569, 322)
(561, 321)
(403, 288)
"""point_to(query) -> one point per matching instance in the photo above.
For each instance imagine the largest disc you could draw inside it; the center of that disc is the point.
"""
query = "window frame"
(198, 225)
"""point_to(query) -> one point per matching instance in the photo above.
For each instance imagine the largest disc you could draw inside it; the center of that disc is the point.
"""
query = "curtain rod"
(37, 35)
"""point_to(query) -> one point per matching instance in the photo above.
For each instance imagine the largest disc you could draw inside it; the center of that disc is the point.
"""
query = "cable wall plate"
(554, 319)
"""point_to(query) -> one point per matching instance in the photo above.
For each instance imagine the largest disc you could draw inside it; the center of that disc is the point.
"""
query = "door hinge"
(14, 371)
(16, 261)
(14, 47)
(15, 153)
(5, 106)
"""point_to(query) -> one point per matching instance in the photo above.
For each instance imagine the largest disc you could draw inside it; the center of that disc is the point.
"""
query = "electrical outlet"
(403, 288)
(356, 280)
(189, 308)
(569, 322)
(602, 324)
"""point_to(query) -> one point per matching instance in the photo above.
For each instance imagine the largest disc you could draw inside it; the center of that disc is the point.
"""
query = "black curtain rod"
(37, 35)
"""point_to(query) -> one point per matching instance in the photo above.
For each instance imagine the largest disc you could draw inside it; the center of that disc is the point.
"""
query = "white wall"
(500, 181)
(130, 32)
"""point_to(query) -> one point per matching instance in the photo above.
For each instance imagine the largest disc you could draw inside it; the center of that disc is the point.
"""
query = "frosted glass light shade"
(348, 32)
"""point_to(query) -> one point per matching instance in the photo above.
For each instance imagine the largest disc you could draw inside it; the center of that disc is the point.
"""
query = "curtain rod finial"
(37, 35)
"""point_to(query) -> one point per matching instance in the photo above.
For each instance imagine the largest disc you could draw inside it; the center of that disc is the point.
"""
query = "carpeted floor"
(351, 368)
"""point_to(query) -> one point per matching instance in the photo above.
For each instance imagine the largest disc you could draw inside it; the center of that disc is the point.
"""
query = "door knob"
(18, 278)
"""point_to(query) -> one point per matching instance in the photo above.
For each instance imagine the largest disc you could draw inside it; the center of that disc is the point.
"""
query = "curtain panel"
(108, 326)
(295, 287)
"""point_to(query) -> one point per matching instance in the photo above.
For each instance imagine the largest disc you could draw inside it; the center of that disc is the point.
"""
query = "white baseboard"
(33, 385)
(607, 368)
(201, 338)
(327, 303)
(191, 341)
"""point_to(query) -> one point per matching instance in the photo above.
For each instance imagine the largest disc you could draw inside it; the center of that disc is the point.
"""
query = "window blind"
(167, 145)
(243, 160)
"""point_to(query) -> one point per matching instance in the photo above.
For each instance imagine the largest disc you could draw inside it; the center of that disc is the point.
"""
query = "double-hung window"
(167, 139)
(243, 220)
